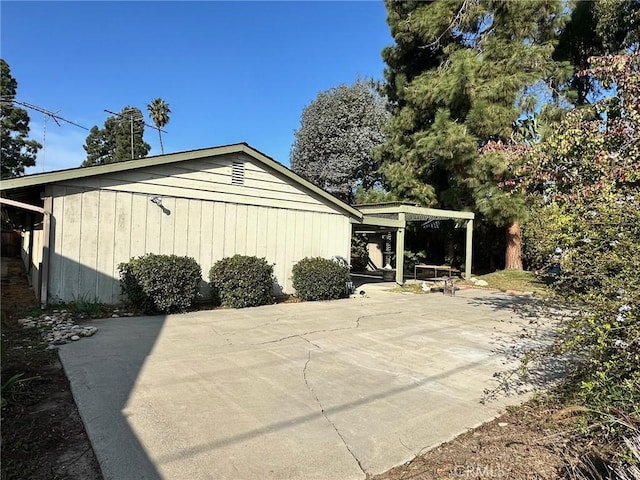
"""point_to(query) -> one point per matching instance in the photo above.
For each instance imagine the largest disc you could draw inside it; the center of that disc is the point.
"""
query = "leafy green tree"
(114, 142)
(586, 181)
(596, 27)
(16, 149)
(159, 112)
(459, 76)
(338, 132)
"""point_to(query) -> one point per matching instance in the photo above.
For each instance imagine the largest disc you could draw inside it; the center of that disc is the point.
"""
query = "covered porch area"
(393, 218)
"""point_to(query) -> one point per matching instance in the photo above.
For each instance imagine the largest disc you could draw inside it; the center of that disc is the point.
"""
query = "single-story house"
(207, 204)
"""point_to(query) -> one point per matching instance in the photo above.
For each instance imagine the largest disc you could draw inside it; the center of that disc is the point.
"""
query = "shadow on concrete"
(291, 422)
(103, 371)
(533, 346)
(360, 279)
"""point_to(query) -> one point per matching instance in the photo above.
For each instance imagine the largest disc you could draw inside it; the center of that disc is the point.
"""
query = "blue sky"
(231, 71)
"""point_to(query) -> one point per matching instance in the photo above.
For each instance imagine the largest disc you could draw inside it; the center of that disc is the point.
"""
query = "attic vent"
(237, 173)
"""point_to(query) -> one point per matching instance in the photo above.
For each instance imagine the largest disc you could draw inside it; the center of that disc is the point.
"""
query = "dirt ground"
(43, 436)
(524, 443)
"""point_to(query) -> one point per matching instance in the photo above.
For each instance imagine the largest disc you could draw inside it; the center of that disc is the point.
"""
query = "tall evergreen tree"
(17, 151)
(596, 27)
(159, 112)
(338, 132)
(459, 76)
(114, 142)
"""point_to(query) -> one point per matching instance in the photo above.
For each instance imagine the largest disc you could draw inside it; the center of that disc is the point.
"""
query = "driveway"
(317, 390)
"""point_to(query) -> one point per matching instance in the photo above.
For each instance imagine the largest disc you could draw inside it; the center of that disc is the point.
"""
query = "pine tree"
(459, 76)
(114, 142)
(16, 150)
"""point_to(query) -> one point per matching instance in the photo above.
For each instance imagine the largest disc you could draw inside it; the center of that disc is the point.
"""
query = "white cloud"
(62, 146)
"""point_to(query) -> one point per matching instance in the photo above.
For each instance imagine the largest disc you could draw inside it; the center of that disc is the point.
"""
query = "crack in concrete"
(404, 445)
(222, 336)
(301, 335)
(310, 388)
(373, 315)
(311, 343)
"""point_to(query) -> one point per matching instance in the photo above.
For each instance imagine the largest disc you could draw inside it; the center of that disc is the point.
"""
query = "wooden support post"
(46, 236)
(469, 250)
(400, 249)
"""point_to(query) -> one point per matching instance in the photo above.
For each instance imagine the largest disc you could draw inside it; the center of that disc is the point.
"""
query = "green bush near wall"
(160, 283)
(242, 281)
(320, 279)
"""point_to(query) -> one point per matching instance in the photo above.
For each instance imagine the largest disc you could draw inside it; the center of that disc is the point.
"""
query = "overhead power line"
(131, 118)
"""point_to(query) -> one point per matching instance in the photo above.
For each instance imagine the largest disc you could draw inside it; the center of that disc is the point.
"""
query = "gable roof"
(261, 158)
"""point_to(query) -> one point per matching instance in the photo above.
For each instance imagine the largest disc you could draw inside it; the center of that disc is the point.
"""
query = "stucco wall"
(98, 223)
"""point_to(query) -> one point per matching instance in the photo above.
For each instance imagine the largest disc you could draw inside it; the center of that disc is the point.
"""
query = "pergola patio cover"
(394, 216)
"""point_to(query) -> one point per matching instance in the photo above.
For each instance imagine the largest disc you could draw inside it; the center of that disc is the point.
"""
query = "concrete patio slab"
(317, 390)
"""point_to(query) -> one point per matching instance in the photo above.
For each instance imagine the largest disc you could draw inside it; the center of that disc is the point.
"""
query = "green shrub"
(359, 252)
(242, 281)
(585, 175)
(320, 279)
(160, 283)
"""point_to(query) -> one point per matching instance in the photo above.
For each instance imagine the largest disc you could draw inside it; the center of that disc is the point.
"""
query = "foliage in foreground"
(160, 283)
(320, 279)
(242, 281)
(587, 184)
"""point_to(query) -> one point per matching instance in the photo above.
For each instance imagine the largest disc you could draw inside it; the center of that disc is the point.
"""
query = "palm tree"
(159, 112)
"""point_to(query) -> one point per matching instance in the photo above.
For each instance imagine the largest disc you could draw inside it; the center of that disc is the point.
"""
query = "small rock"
(88, 331)
(503, 424)
(473, 279)
(115, 315)
(75, 337)
(481, 283)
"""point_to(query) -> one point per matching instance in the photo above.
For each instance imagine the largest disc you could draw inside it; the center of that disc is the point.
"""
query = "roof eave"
(83, 172)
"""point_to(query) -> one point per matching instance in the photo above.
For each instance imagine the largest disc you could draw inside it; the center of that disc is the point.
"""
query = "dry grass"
(515, 280)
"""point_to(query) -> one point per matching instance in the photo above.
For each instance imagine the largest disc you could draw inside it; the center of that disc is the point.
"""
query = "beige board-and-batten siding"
(32, 253)
(102, 221)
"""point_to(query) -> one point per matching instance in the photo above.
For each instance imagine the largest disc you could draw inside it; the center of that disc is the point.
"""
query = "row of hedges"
(170, 283)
